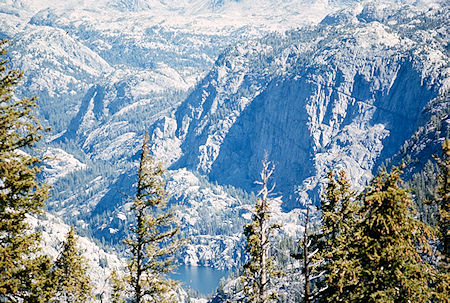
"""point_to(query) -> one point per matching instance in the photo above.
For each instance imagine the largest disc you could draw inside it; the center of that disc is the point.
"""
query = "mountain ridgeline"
(365, 87)
(344, 94)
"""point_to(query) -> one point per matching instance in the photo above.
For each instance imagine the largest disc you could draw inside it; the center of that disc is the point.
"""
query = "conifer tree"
(308, 248)
(306, 255)
(117, 288)
(443, 202)
(153, 240)
(23, 271)
(384, 256)
(69, 275)
(307, 260)
(338, 207)
(259, 269)
(443, 199)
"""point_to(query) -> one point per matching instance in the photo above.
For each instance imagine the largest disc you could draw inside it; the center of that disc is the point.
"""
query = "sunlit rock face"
(343, 95)
(219, 85)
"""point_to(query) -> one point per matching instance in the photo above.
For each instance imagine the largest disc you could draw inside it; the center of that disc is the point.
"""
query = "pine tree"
(69, 275)
(308, 249)
(259, 269)
(443, 201)
(153, 240)
(306, 255)
(423, 186)
(23, 270)
(338, 208)
(384, 254)
(117, 288)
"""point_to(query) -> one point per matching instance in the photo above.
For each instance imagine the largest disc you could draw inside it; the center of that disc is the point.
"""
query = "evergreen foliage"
(153, 240)
(259, 269)
(117, 288)
(443, 201)
(423, 186)
(69, 275)
(382, 261)
(307, 252)
(23, 271)
(338, 207)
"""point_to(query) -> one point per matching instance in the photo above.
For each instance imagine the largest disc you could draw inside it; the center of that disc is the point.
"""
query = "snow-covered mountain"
(105, 71)
(345, 94)
(314, 84)
(100, 263)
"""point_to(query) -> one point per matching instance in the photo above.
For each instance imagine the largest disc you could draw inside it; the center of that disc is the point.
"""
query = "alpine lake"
(203, 279)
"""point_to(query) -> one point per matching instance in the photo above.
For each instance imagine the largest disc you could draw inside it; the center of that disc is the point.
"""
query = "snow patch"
(58, 164)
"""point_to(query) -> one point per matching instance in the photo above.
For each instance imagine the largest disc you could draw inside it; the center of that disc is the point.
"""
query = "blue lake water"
(203, 279)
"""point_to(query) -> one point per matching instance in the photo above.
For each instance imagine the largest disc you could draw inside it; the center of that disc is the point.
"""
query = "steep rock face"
(110, 120)
(342, 96)
(433, 128)
(58, 68)
(105, 71)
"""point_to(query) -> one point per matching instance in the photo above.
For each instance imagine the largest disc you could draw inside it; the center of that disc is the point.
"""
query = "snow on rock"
(212, 219)
(209, 219)
(345, 94)
(219, 84)
(120, 143)
(56, 62)
(100, 263)
(58, 163)
(165, 145)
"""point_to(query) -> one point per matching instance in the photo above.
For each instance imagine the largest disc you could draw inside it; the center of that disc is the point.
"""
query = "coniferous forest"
(373, 245)
(271, 151)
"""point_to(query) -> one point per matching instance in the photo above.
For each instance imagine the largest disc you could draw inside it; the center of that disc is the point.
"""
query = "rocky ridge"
(217, 97)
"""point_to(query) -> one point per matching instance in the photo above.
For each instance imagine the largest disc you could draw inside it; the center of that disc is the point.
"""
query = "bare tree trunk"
(262, 292)
(265, 175)
(258, 270)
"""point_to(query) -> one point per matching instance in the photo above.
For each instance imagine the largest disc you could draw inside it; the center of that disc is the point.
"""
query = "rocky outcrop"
(344, 95)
